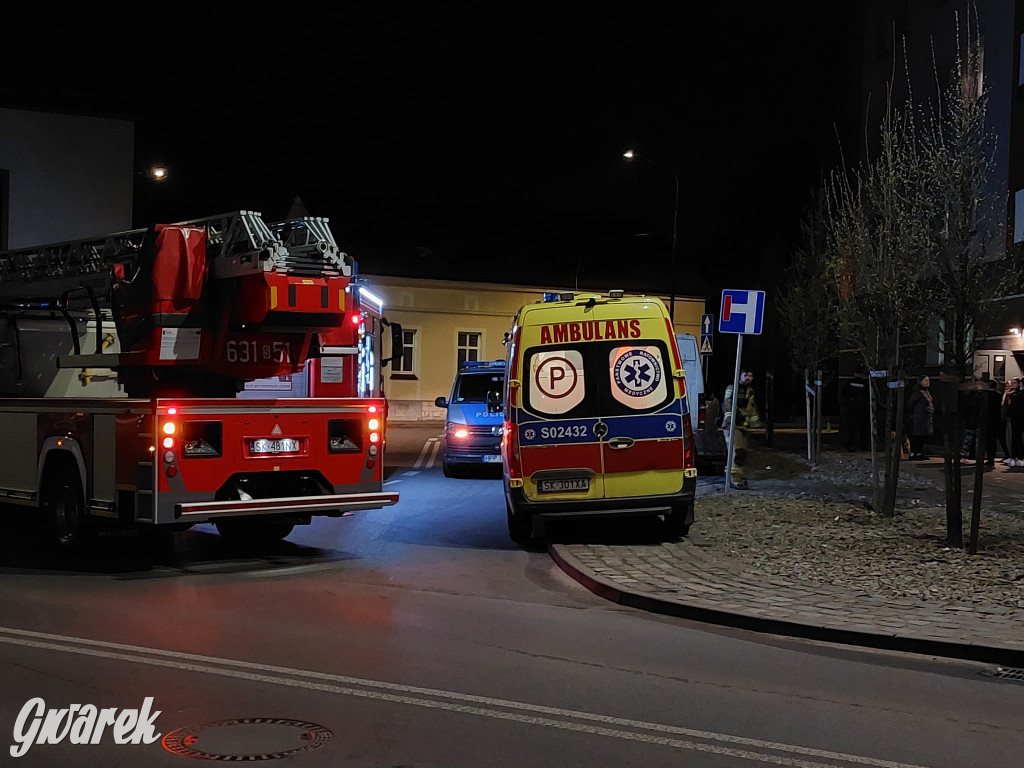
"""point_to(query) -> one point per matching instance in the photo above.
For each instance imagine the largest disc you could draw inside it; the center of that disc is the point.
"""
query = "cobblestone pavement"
(803, 554)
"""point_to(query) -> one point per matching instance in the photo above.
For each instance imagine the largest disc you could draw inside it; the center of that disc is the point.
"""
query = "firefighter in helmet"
(747, 417)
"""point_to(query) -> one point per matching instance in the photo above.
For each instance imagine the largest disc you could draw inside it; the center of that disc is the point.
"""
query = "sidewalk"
(689, 579)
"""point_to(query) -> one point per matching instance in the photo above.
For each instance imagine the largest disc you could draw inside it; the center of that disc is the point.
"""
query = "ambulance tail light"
(702, 413)
(510, 449)
(689, 452)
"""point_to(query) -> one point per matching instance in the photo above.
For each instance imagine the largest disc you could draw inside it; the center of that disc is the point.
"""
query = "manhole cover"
(246, 740)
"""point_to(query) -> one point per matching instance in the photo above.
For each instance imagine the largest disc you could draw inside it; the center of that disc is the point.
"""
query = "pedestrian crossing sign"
(705, 344)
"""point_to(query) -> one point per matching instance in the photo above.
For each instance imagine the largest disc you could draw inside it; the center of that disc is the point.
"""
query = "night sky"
(474, 141)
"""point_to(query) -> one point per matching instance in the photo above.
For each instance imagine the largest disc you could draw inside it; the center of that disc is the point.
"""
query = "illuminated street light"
(630, 155)
(157, 173)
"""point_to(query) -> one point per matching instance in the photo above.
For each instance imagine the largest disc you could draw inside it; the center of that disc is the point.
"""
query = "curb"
(889, 642)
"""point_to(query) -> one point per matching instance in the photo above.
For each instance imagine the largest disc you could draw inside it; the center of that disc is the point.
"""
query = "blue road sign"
(742, 311)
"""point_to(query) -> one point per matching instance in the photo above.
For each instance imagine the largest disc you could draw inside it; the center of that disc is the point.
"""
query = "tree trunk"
(979, 469)
(894, 433)
(952, 439)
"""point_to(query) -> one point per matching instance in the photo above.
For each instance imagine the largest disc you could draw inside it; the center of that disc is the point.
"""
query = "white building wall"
(69, 176)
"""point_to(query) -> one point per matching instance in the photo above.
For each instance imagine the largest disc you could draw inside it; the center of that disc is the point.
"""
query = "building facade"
(63, 177)
(446, 322)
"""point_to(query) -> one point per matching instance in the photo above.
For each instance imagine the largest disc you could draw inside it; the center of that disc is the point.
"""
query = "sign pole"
(732, 413)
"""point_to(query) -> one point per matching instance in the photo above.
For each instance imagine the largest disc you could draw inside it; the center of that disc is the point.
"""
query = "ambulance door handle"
(620, 442)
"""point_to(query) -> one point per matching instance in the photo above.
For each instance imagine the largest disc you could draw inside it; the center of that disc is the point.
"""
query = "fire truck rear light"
(373, 450)
(374, 437)
(372, 409)
(170, 427)
(373, 424)
(168, 456)
(171, 470)
(344, 436)
(168, 443)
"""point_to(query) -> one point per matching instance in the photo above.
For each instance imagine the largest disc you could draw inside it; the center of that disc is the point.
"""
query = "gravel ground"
(815, 524)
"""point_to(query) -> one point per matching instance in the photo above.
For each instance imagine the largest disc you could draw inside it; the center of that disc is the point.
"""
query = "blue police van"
(475, 423)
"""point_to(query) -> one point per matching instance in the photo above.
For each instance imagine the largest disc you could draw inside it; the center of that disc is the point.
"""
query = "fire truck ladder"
(61, 275)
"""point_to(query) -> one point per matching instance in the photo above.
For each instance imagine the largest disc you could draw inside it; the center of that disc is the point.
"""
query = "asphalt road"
(419, 635)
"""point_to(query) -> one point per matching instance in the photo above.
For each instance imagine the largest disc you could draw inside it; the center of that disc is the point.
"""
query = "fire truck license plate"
(282, 445)
(561, 485)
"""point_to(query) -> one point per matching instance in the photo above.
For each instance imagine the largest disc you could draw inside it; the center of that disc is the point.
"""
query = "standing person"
(747, 416)
(1015, 415)
(1009, 394)
(922, 417)
(972, 422)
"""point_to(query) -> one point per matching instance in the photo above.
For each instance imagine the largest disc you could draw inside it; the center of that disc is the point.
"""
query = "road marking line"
(411, 473)
(430, 446)
(202, 664)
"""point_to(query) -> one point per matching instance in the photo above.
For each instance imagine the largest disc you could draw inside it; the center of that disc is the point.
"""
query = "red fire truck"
(122, 358)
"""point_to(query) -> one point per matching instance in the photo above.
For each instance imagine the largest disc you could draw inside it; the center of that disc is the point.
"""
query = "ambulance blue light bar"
(482, 364)
(552, 296)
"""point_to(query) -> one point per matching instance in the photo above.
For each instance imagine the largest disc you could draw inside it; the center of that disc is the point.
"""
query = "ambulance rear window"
(597, 379)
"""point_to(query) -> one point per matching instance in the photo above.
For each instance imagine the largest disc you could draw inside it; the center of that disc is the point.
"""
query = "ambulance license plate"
(281, 445)
(563, 485)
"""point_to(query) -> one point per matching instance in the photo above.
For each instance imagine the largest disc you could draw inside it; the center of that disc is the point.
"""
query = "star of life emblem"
(637, 373)
(670, 426)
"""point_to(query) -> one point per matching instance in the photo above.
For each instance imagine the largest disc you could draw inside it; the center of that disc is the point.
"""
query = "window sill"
(404, 377)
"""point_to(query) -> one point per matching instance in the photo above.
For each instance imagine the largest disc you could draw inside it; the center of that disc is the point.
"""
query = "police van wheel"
(520, 527)
(449, 470)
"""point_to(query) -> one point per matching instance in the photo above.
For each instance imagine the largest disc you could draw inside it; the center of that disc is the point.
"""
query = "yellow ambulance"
(596, 417)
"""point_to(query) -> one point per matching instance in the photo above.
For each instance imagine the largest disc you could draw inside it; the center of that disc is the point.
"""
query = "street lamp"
(631, 155)
(157, 173)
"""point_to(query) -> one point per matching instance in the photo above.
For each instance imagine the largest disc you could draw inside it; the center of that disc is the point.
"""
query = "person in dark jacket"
(1015, 415)
(922, 417)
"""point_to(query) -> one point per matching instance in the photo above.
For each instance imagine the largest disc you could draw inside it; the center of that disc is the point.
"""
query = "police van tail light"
(689, 452)
(702, 412)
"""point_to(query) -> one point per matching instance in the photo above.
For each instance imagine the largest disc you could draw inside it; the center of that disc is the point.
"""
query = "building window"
(1018, 216)
(408, 362)
(405, 368)
(469, 346)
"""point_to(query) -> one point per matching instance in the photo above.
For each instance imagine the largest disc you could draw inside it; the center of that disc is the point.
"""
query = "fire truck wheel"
(520, 527)
(65, 514)
(253, 533)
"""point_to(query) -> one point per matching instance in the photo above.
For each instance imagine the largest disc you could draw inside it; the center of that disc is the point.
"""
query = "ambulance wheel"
(520, 527)
(678, 521)
(67, 528)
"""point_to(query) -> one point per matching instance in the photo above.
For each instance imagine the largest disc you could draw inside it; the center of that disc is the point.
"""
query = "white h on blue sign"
(742, 311)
